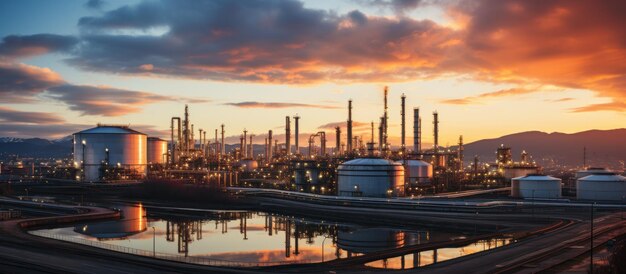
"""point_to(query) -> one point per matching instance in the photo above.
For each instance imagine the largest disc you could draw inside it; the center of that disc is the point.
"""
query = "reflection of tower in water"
(184, 232)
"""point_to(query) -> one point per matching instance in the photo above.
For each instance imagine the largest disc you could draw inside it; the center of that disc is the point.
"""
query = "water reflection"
(258, 237)
(428, 257)
(133, 221)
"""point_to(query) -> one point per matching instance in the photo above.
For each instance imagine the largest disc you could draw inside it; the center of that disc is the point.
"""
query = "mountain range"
(603, 147)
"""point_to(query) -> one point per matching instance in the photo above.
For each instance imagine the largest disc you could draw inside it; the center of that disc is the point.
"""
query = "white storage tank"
(417, 171)
(592, 170)
(157, 150)
(370, 177)
(536, 186)
(113, 146)
(603, 187)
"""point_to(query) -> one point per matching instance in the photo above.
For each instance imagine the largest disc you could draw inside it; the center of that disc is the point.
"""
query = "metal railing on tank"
(163, 256)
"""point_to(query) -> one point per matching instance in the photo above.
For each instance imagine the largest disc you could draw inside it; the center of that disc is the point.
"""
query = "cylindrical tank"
(605, 187)
(592, 170)
(538, 186)
(133, 221)
(110, 146)
(417, 171)
(370, 177)
(157, 149)
(368, 240)
(249, 165)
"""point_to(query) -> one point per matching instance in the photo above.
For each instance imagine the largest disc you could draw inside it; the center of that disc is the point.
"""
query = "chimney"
(297, 119)
(287, 136)
(436, 131)
(381, 134)
(241, 146)
(269, 150)
(417, 131)
(349, 126)
(222, 145)
(402, 113)
(251, 147)
(245, 147)
(338, 140)
(385, 124)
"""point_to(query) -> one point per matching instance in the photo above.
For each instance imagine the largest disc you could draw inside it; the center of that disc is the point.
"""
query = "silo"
(370, 177)
(539, 186)
(157, 149)
(604, 187)
(110, 147)
(417, 171)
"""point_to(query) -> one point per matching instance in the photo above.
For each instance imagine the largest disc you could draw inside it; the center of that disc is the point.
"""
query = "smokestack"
(349, 126)
(266, 150)
(200, 137)
(338, 140)
(381, 134)
(216, 146)
(173, 147)
(192, 140)
(385, 124)
(372, 134)
(287, 136)
(323, 142)
(417, 131)
(186, 129)
(436, 131)
(402, 113)
(245, 147)
(460, 152)
(241, 146)
(269, 141)
(251, 147)
(222, 145)
(297, 119)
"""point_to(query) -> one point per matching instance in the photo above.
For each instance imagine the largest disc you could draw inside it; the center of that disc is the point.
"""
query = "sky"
(488, 67)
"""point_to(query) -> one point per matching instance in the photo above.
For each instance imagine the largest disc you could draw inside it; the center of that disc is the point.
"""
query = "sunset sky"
(489, 68)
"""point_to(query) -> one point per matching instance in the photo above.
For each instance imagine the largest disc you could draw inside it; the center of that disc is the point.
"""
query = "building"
(601, 186)
(536, 186)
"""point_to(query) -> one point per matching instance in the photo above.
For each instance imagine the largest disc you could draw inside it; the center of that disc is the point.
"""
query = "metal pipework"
(349, 126)
(287, 136)
(297, 119)
(222, 145)
(322, 136)
(173, 147)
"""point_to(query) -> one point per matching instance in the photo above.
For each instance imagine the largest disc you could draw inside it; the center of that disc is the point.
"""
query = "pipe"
(349, 126)
(241, 146)
(385, 124)
(381, 134)
(186, 130)
(297, 119)
(217, 155)
(222, 145)
(251, 147)
(417, 132)
(287, 136)
(323, 142)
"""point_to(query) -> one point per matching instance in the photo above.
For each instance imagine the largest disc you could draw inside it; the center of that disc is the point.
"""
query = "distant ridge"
(604, 147)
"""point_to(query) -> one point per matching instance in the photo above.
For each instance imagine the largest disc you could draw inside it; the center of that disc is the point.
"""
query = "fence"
(163, 256)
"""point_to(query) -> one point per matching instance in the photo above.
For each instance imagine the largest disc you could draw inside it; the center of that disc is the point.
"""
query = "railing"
(163, 256)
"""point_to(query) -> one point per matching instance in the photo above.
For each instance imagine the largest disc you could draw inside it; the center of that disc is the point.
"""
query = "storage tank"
(110, 146)
(515, 187)
(157, 149)
(133, 221)
(592, 170)
(370, 177)
(417, 171)
(604, 186)
(511, 172)
(249, 165)
(537, 186)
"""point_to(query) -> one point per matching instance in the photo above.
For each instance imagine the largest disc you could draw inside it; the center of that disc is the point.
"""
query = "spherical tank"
(370, 177)
(417, 171)
(604, 187)
(110, 146)
(157, 149)
(538, 186)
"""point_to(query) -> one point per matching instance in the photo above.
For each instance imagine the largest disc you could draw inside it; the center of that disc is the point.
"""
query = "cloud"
(494, 94)
(251, 104)
(101, 100)
(14, 46)
(19, 83)
(9, 115)
(40, 130)
(95, 4)
(611, 106)
(566, 99)
(398, 6)
(343, 125)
